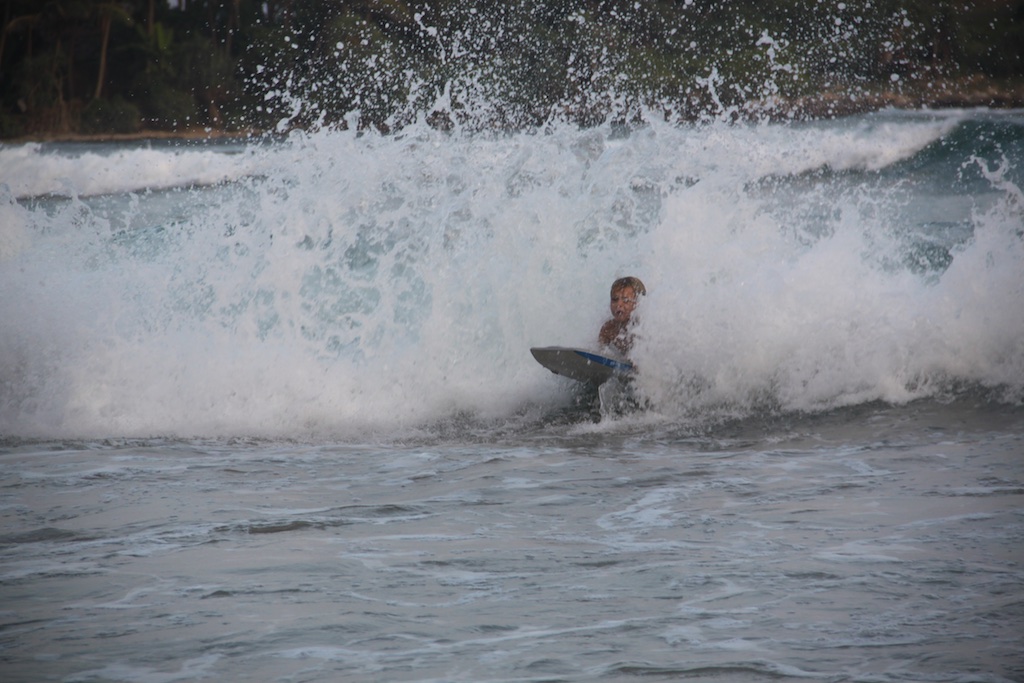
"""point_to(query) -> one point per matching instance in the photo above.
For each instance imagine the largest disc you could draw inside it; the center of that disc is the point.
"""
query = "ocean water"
(268, 411)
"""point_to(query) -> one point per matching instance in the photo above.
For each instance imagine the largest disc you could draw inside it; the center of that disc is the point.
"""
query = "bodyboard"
(579, 364)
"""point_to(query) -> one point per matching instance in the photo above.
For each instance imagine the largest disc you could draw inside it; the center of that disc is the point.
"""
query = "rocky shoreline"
(971, 93)
(183, 134)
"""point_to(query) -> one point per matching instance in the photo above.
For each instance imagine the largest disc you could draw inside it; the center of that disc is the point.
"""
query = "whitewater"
(268, 411)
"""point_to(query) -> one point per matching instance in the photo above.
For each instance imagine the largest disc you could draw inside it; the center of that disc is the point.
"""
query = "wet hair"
(634, 282)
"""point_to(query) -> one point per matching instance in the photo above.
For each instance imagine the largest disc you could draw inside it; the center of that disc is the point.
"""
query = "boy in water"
(624, 295)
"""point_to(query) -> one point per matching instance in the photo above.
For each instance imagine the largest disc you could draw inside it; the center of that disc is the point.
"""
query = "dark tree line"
(98, 66)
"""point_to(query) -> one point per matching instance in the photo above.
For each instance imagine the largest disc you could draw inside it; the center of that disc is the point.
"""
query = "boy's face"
(623, 303)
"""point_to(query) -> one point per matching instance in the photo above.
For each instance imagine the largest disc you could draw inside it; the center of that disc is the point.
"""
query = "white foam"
(31, 170)
(358, 284)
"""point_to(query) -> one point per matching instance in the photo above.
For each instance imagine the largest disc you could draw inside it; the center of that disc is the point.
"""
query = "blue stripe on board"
(613, 364)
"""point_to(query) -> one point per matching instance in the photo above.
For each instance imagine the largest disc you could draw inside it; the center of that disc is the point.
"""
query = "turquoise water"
(268, 410)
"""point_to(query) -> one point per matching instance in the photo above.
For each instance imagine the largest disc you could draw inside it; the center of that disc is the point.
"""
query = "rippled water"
(865, 544)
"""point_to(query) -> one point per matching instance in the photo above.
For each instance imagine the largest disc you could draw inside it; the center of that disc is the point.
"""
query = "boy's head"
(624, 294)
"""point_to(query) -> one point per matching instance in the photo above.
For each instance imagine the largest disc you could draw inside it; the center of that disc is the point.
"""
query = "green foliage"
(209, 73)
(11, 126)
(114, 115)
(157, 46)
(972, 31)
(37, 84)
(509, 64)
(163, 106)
